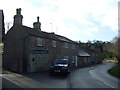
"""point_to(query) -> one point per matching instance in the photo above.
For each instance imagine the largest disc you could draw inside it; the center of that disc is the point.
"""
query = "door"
(32, 63)
(38, 59)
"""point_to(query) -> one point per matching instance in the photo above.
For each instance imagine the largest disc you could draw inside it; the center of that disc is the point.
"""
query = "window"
(66, 57)
(39, 42)
(73, 46)
(73, 59)
(60, 61)
(88, 60)
(66, 45)
(53, 43)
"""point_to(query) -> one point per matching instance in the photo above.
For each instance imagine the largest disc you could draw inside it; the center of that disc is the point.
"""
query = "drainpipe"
(76, 61)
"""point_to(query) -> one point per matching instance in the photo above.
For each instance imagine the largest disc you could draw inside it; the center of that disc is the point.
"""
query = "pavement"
(23, 81)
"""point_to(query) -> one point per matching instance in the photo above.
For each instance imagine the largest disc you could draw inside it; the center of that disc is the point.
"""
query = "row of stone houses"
(30, 49)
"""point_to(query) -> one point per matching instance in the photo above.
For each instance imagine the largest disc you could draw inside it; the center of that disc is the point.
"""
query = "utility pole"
(51, 26)
(56, 29)
(8, 25)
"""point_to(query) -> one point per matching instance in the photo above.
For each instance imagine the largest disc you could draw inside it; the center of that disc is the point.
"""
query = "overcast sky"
(76, 19)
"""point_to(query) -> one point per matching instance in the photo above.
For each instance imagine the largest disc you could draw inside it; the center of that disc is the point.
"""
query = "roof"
(62, 38)
(82, 53)
(34, 32)
(42, 34)
(91, 50)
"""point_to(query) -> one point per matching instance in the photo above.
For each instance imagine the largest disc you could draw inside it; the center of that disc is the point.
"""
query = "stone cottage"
(30, 49)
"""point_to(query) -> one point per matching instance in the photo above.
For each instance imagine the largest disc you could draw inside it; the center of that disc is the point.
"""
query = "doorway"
(38, 60)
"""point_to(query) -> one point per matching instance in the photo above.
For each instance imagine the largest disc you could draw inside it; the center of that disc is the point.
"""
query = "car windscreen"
(61, 62)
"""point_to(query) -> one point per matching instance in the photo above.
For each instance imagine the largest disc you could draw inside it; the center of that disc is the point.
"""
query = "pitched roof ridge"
(33, 31)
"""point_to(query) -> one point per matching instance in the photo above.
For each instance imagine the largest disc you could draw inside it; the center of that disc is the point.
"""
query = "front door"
(32, 63)
(38, 59)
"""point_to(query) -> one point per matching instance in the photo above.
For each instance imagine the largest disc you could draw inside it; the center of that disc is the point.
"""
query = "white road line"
(11, 81)
(98, 78)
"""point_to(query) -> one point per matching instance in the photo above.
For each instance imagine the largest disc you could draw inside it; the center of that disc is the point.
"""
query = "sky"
(78, 20)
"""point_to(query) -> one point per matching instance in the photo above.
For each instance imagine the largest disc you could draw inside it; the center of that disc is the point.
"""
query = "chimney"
(37, 25)
(18, 17)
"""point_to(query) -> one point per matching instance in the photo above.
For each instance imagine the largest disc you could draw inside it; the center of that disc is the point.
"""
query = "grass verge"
(115, 71)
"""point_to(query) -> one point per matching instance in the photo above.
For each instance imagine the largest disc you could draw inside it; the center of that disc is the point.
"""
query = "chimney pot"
(18, 17)
(37, 25)
(18, 11)
(38, 19)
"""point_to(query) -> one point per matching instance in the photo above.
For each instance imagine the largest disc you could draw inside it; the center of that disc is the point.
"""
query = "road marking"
(91, 67)
(26, 82)
(98, 78)
(11, 81)
(68, 83)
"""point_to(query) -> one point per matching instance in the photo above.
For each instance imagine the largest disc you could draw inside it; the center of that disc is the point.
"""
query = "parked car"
(59, 66)
(99, 62)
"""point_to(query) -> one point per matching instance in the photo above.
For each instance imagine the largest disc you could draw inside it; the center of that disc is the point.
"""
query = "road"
(89, 77)
(56, 81)
(93, 77)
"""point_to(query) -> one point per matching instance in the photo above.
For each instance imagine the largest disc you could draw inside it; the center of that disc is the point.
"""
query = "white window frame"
(39, 42)
(53, 43)
(66, 45)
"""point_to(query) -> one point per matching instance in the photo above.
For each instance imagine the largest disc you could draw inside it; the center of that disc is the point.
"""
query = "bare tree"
(8, 25)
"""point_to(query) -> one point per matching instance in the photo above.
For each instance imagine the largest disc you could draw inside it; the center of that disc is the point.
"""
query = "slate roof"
(82, 53)
(34, 32)
(62, 38)
(42, 34)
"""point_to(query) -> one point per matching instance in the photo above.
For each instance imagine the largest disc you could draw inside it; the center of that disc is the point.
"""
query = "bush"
(107, 54)
(115, 71)
(1, 47)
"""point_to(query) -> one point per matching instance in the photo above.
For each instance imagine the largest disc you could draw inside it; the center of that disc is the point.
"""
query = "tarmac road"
(56, 81)
(89, 77)
(93, 77)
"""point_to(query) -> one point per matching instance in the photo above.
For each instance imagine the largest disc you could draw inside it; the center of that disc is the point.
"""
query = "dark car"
(59, 66)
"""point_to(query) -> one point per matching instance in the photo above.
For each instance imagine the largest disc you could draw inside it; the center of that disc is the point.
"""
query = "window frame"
(73, 46)
(66, 57)
(39, 42)
(66, 45)
(54, 44)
